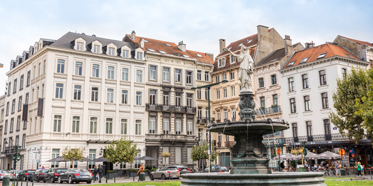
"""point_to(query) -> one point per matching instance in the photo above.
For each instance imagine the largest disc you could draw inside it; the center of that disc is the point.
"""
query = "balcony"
(230, 144)
(269, 110)
(10, 150)
(169, 138)
(202, 120)
(170, 108)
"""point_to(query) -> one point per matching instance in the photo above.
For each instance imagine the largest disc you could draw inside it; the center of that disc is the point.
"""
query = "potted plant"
(111, 173)
(133, 172)
(146, 171)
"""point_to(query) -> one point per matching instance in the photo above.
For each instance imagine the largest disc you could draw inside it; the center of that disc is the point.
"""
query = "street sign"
(16, 157)
(335, 128)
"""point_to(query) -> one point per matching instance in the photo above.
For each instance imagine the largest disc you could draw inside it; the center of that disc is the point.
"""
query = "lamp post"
(209, 107)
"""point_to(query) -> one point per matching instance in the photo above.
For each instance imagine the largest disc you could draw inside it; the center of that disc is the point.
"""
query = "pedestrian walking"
(100, 173)
(338, 169)
(95, 173)
(141, 170)
(358, 168)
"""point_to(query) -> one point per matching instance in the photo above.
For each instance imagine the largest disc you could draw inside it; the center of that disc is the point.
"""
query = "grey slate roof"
(274, 56)
(65, 41)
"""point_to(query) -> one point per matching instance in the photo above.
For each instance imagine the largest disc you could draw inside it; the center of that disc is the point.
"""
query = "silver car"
(165, 173)
(4, 173)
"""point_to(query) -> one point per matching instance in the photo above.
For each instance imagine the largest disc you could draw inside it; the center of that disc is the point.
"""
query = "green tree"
(165, 155)
(349, 89)
(200, 152)
(72, 154)
(365, 107)
(121, 152)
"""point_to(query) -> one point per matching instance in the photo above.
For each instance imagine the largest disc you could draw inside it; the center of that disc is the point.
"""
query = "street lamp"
(209, 107)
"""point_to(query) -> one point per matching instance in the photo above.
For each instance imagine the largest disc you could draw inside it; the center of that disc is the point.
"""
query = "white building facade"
(78, 91)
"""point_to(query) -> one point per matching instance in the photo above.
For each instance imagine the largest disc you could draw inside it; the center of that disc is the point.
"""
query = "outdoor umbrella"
(328, 155)
(311, 156)
(100, 159)
(86, 159)
(287, 156)
(58, 159)
(145, 158)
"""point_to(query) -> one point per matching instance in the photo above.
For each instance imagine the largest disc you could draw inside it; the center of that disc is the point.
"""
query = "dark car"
(75, 175)
(53, 174)
(182, 169)
(39, 174)
(26, 174)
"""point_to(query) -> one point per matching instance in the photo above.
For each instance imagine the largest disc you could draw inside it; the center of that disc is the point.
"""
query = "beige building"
(363, 49)
(2, 115)
(175, 111)
(268, 90)
(225, 96)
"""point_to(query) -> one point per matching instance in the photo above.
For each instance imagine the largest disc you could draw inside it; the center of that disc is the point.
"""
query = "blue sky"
(199, 23)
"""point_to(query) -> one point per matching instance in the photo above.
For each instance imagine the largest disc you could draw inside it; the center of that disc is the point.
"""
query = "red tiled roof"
(313, 53)
(360, 42)
(172, 49)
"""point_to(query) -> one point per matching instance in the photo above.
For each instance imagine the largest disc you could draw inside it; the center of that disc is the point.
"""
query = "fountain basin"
(276, 178)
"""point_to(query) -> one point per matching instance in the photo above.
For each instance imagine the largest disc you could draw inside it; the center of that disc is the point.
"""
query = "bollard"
(5, 181)
(14, 182)
(21, 182)
(133, 179)
(114, 178)
(32, 179)
(17, 180)
(106, 177)
(26, 181)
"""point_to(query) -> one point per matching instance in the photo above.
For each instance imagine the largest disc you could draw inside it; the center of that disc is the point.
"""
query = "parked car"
(26, 174)
(5, 173)
(53, 174)
(216, 168)
(75, 175)
(165, 172)
(14, 174)
(182, 169)
(39, 174)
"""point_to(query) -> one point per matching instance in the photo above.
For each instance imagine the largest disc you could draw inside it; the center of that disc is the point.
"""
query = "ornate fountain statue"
(249, 160)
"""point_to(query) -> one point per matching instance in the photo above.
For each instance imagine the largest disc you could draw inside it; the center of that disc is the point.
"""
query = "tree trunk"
(72, 166)
(121, 166)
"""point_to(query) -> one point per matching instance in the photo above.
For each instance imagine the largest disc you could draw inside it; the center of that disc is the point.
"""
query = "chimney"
(288, 45)
(221, 45)
(182, 46)
(312, 44)
(142, 43)
(263, 34)
(133, 35)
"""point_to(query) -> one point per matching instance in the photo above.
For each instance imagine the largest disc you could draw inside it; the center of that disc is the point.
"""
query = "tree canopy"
(72, 154)
(201, 152)
(351, 88)
(121, 152)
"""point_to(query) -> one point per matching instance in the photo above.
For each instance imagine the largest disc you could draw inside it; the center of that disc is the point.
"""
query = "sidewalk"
(131, 179)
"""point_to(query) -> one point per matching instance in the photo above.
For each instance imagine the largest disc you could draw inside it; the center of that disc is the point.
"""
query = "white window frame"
(138, 127)
(77, 92)
(96, 70)
(110, 95)
(124, 97)
(78, 69)
(123, 126)
(125, 74)
(75, 124)
(138, 98)
(59, 91)
(93, 125)
(110, 72)
(139, 76)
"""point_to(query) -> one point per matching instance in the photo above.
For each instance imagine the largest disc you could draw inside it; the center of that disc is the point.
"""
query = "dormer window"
(151, 50)
(139, 55)
(221, 62)
(250, 41)
(111, 51)
(304, 60)
(185, 55)
(291, 63)
(96, 48)
(125, 53)
(162, 52)
(321, 55)
(199, 55)
(167, 44)
(146, 41)
(79, 46)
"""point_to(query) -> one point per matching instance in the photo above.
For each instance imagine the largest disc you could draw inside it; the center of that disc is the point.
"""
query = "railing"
(202, 120)
(170, 108)
(309, 138)
(269, 110)
(9, 150)
(328, 137)
(230, 144)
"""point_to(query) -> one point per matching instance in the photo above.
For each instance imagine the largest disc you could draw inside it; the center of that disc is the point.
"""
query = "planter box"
(133, 174)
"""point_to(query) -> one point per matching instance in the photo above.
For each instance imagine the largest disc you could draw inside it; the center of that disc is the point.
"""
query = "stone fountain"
(249, 160)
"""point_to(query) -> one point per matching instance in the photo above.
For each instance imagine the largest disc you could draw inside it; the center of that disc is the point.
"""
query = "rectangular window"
(111, 51)
(344, 73)
(189, 155)
(11, 125)
(292, 105)
(178, 99)
(138, 98)
(189, 100)
(59, 91)
(232, 75)
(274, 79)
(217, 80)
(55, 154)
(77, 92)
(125, 53)
(6, 127)
(96, 48)
(275, 99)
(233, 113)
(19, 103)
(295, 130)
(166, 125)
(138, 76)
(206, 93)
(124, 74)
(233, 59)
(21, 82)
(138, 127)
(152, 125)
(44, 66)
(123, 126)
(39, 69)
(15, 86)
(28, 78)
(110, 96)
(189, 127)
(79, 46)
(324, 97)
(291, 84)
(34, 75)
(78, 68)
(92, 155)
(110, 72)
(95, 70)
(24, 141)
(217, 94)
(261, 82)
(225, 93)
(224, 76)
(124, 97)
(152, 74)
(93, 125)
(322, 77)
(309, 128)
(262, 102)
(7, 108)
(177, 76)
(327, 127)
(27, 98)
(139, 55)
(109, 125)
(152, 94)
(18, 127)
(305, 81)
(76, 124)
(166, 74)
(9, 88)
(178, 126)
(199, 75)
(199, 94)
(207, 76)
(218, 116)
(60, 66)
(225, 114)
(57, 123)
(13, 106)
(94, 96)
(307, 103)
(178, 155)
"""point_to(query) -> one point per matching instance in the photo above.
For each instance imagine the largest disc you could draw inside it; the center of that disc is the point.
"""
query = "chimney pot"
(221, 45)
(287, 37)
(182, 46)
(133, 34)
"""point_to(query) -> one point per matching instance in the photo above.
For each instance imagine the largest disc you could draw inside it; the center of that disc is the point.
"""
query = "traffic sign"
(278, 151)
